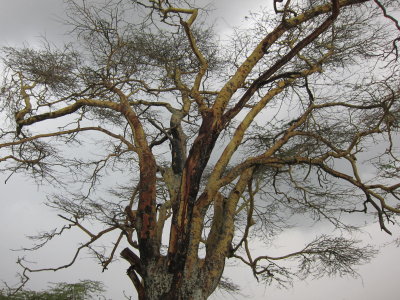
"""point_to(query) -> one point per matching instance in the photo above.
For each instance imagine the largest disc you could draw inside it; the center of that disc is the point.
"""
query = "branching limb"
(111, 256)
(250, 220)
(69, 132)
(69, 110)
(260, 81)
(45, 237)
(323, 256)
(395, 21)
(94, 238)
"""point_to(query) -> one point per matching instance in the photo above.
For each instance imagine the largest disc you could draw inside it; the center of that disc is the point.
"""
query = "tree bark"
(159, 283)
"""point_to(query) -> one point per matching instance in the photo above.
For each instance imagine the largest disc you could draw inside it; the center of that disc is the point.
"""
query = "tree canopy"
(194, 147)
(83, 290)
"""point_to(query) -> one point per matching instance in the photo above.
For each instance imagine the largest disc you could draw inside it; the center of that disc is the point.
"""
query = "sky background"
(22, 211)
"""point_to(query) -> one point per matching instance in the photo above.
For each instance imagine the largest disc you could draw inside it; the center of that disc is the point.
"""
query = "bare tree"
(192, 149)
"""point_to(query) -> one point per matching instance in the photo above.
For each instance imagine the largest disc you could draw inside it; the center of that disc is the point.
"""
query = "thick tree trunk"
(158, 283)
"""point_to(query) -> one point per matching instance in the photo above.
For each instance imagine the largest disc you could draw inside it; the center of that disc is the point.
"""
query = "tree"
(85, 289)
(192, 149)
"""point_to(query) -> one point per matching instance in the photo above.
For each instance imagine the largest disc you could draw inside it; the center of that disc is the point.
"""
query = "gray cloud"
(24, 20)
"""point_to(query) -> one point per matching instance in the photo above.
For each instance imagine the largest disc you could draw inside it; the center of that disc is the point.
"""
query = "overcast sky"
(22, 212)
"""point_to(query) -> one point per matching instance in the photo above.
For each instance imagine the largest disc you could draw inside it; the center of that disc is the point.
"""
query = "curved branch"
(86, 245)
(68, 110)
(70, 131)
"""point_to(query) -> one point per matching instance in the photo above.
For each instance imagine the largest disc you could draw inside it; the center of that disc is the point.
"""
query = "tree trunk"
(159, 283)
